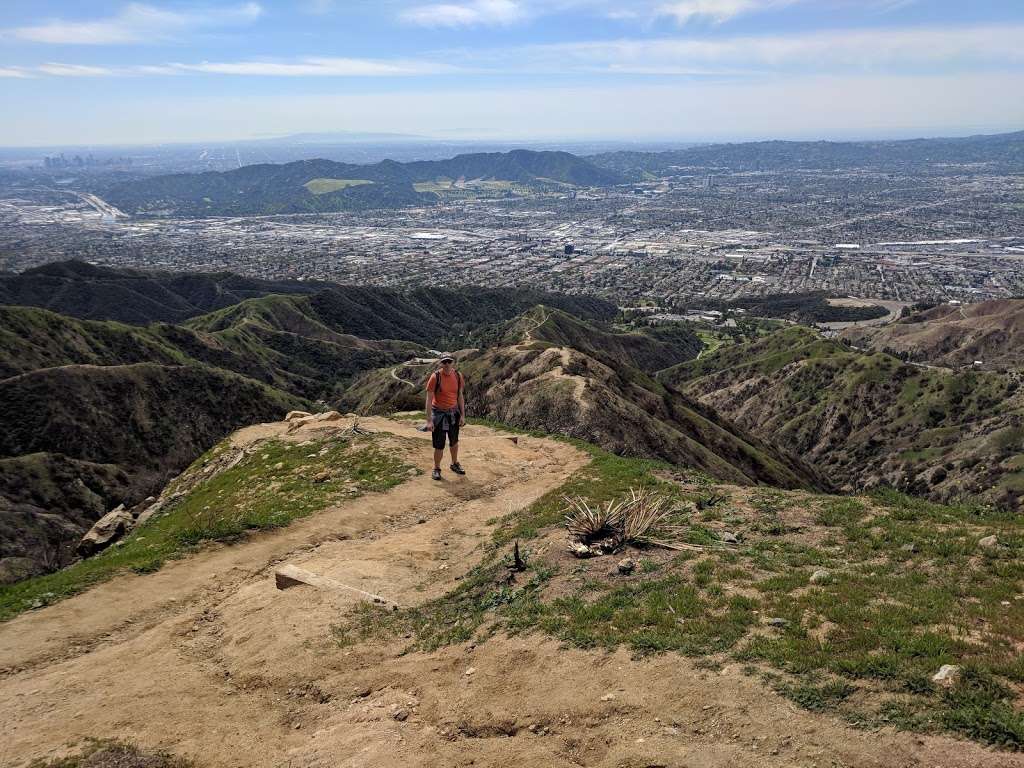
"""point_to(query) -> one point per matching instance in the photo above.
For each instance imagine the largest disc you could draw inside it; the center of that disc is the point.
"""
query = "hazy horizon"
(511, 142)
(193, 71)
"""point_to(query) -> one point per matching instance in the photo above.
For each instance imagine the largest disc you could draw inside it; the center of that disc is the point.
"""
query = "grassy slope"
(953, 335)
(648, 350)
(868, 418)
(324, 186)
(908, 589)
(267, 489)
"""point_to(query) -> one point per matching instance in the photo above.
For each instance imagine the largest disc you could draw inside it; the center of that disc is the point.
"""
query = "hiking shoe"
(457, 469)
(436, 474)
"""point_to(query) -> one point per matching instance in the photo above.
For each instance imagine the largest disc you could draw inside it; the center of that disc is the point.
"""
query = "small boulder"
(626, 566)
(777, 622)
(108, 529)
(328, 416)
(988, 542)
(947, 675)
(296, 415)
(729, 538)
(322, 477)
(820, 576)
(400, 715)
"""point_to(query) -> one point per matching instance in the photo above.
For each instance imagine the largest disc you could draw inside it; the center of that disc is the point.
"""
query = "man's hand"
(462, 420)
(430, 425)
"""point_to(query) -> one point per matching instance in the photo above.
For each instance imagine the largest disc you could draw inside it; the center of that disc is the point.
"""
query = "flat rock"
(296, 415)
(328, 416)
(947, 675)
(108, 529)
(988, 542)
(729, 538)
(820, 576)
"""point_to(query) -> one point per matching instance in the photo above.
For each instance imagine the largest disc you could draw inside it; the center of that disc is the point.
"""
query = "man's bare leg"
(455, 452)
(438, 454)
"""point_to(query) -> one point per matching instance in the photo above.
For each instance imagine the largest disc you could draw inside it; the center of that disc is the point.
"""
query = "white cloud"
(135, 23)
(926, 48)
(718, 11)
(73, 70)
(319, 67)
(932, 50)
(13, 72)
(467, 14)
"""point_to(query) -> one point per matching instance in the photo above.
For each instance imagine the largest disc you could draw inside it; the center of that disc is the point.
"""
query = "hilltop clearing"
(720, 656)
(867, 419)
(955, 336)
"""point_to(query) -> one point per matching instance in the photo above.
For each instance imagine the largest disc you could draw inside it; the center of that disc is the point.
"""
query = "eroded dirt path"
(200, 656)
(207, 659)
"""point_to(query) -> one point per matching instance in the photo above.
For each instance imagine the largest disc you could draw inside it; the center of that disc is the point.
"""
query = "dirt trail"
(207, 659)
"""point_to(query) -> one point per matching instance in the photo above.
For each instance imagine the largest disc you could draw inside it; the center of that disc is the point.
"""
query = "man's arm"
(462, 406)
(428, 407)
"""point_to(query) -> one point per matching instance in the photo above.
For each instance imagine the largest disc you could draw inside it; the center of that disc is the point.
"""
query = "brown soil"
(208, 660)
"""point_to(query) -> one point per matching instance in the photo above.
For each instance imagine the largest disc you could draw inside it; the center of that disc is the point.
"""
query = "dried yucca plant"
(641, 518)
(642, 514)
(587, 523)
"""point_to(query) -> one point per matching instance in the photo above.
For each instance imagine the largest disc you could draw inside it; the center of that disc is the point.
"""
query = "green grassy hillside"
(84, 438)
(93, 292)
(648, 350)
(866, 419)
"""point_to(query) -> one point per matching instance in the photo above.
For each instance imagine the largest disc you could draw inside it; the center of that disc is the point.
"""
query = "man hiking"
(446, 412)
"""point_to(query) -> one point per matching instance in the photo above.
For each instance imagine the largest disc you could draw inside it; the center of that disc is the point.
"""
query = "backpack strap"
(437, 382)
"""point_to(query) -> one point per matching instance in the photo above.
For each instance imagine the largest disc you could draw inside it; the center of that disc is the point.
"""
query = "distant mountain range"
(309, 186)
(1003, 150)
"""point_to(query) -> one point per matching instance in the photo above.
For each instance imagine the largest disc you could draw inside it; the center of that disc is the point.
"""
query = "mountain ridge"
(278, 189)
(868, 419)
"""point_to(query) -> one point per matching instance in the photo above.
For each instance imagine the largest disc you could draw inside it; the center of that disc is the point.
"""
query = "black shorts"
(437, 436)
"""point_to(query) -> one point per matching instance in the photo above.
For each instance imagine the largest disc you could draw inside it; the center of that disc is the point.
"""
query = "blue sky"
(118, 72)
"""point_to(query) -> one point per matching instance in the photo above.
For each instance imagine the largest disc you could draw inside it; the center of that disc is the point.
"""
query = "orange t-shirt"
(448, 397)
